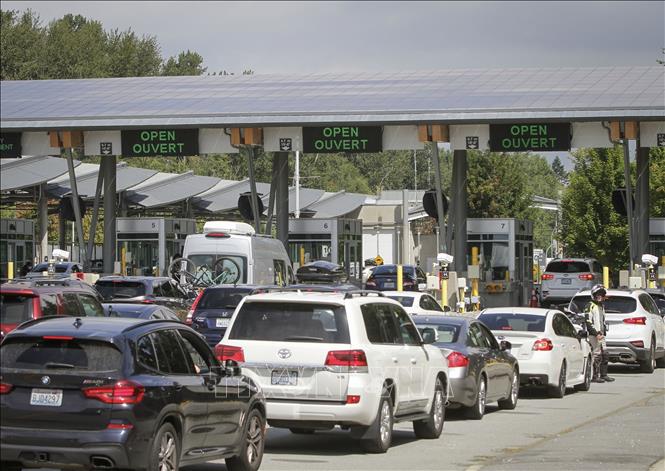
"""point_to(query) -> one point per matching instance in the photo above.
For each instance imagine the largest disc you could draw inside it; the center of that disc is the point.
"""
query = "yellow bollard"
(400, 276)
(302, 255)
(123, 261)
(606, 277)
(662, 264)
(444, 292)
(10, 270)
(474, 281)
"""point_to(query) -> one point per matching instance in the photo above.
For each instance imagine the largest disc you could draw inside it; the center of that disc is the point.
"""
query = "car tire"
(432, 427)
(164, 449)
(511, 401)
(559, 390)
(660, 362)
(648, 365)
(302, 431)
(477, 410)
(253, 443)
(588, 372)
(382, 429)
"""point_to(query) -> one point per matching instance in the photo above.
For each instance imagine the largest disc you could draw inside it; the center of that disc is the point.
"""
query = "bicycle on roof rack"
(224, 271)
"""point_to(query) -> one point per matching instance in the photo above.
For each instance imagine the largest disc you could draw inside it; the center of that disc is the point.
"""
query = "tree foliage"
(559, 171)
(657, 182)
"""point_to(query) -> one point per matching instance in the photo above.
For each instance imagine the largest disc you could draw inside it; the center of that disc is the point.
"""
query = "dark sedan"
(481, 370)
(140, 311)
(321, 271)
(384, 278)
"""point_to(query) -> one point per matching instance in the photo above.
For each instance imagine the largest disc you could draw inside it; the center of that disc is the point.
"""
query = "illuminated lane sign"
(522, 137)
(160, 142)
(10, 145)
(360, 139)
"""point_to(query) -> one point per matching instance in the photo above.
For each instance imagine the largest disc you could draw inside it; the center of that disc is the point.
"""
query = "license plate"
(389, 284)
(46, 397)
(284, 378)
(222, 322)
(566, 281)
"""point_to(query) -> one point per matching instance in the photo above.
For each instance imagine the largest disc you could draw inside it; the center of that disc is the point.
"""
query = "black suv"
(160, 290)
(25, 299)
(123, 393)
(384, 278)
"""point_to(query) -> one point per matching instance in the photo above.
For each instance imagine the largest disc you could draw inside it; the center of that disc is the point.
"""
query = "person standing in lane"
(594, 314)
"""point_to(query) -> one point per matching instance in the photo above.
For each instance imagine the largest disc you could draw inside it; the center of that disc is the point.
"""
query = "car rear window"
(392, 270)
(221, 298)
(613, 305)
(63, 355)
(15, 308)
(406, 301)
(120, 289)
(510, 321)
(291, 322)
(568, 267)
(59, 268)
(446, 333)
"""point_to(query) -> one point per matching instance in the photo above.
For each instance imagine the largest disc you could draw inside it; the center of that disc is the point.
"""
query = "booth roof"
(31, 171)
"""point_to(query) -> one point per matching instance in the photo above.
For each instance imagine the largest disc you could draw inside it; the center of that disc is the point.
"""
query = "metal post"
(62, 235)
(439, 198)
(460, 204)
(271, 198)
(253, 199)
(108, 167)
(93, 222)
(283, 198)
(43, 223)
(406, 230)
(296, 183)
(642, 200)
(83, 256)
(629, 206)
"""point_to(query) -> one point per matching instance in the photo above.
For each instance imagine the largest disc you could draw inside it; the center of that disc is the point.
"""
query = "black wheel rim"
(562, 380)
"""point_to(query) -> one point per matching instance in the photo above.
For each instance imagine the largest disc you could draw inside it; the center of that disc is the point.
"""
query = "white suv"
(635, 329)
(352, 359)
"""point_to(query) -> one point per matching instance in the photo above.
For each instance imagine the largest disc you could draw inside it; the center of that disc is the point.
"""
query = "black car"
(123, 393)
(481, 369)
(160, 290)
(140, 311)
(59, 269)
(384, 278)
(321, 271)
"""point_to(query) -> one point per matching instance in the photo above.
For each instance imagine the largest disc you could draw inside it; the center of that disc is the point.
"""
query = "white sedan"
(416, 303)
(549, 349)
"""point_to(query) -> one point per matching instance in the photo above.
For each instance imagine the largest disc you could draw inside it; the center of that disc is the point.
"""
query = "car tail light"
(637, 343)
(120, 426)
(148, 301)
(218, 235)
(457, 359)
(229, 352)
(352, 399)
(547, 276)
(350, 358)
(190, 314)
(542, 345)
(636, 320)
(370, 282)
(57, 337)
(5, 388)
(586, 276)
(122, 392)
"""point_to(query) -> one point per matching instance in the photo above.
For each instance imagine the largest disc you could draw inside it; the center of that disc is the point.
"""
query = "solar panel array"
(463, 94)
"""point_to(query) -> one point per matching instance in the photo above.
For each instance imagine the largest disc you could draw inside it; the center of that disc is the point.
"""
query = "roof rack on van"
(228, 227)
(52, 281)
(363, 293)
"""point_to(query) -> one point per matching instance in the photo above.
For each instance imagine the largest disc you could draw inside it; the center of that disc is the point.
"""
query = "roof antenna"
(78, 323)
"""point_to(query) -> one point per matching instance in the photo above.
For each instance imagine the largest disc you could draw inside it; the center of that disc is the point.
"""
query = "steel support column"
(459, 201)
(642, 201)
(108, 167)
(406, 230)
(78, 222)
(629, 206)
(282, 196)
(43, 223)
(253, 197)
(95, 215)
(439, 198)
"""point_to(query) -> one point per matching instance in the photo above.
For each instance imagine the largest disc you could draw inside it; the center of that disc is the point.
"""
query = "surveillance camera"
(444, 258)
(648, 259)
(61, 254)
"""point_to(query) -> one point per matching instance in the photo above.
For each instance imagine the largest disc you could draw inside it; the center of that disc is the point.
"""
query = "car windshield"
(613, 304)
(406, 301)
(511, 321)
(445, 333)
(59, 268)
(567, 266)
(15, 308)
(291, 322)
(221, 298)
(110, 289)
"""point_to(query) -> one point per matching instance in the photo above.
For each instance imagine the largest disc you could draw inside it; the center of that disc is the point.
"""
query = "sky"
(317, 37)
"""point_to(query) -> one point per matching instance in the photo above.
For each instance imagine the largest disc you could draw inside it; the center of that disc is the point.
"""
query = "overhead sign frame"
(523, 137)
(347, 138)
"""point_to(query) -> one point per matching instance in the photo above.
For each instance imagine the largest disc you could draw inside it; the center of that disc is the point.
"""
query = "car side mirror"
(661, 311)
(505, 345)
(446, 308)
(429, 335)
(582, 334)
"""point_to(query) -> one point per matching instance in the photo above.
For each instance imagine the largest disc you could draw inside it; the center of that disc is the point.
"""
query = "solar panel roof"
(459, 95)
(31, 171)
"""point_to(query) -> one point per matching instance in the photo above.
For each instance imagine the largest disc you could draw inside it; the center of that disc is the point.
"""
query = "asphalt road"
(614, 426)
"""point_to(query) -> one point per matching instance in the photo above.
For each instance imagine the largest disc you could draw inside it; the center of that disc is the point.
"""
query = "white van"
(251, 258)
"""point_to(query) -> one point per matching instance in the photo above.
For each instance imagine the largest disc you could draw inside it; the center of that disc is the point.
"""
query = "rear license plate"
(389, 284)
(46, 397)
(222, 322)
(566, 281)
(284, 378)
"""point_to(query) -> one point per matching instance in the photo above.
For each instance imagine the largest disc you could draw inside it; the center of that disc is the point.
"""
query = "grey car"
(481, 369)
(564, 277)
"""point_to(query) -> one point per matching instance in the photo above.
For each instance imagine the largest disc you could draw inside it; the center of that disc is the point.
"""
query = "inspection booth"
(146, 246)
(17, 244)
(657, 238)
(505, 249)
(337, 240)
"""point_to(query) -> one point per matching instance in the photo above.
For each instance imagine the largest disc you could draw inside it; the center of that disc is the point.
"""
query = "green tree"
(657, 182)
(22, 40)
(590, 227)
(187, 63)
(559, 171)
(131, 56)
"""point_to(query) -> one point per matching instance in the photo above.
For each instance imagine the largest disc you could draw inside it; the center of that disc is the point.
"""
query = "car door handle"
(177, 386)
(413, 361)
(394, 359)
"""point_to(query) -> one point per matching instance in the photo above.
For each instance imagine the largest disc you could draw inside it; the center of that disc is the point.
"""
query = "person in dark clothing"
(595, 322)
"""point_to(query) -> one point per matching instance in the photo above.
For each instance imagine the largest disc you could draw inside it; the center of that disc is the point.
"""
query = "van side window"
(279, 272)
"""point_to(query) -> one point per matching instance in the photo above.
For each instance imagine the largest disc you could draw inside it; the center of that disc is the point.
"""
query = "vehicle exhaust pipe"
(101, 462)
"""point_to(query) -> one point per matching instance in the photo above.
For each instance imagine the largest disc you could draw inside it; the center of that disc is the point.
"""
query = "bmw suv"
(123, 393)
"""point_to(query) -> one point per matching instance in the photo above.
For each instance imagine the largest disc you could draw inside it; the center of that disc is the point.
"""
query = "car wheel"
(251, 450)
(649, 363)
(588, 372)
(660, 363)
(165, 449)
(382, 429)
(432, 426)
(511, 402)
(477, 410)
(559, 390)
(302, 431)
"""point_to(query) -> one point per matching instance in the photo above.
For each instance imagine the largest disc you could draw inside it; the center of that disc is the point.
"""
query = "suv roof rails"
(363, 293)
(151, 321)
